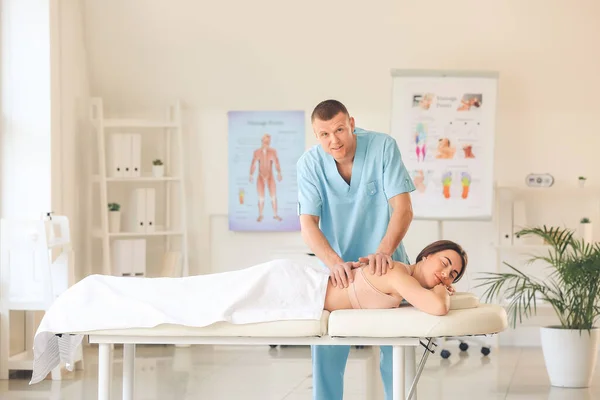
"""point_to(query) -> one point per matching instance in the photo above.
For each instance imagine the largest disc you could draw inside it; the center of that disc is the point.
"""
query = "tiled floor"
(215, 373)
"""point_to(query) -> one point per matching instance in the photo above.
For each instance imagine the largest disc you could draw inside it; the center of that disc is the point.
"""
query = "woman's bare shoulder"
(387, 282)
(401, 268)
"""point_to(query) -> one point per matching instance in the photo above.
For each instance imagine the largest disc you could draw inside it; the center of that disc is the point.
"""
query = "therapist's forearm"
(397, 228)
(319, 245)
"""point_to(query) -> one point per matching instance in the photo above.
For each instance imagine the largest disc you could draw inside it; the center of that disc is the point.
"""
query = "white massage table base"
(402, 328)
(404, 370)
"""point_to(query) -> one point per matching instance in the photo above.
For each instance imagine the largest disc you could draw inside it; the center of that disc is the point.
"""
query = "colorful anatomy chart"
(264, 147)
(444, 124)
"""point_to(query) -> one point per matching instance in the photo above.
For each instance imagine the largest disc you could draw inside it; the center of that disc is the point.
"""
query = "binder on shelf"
(143, 210)
(129, 257)
(138, 266)
(125, 155)
(150, 210)
(115, 159)
(519, 221)
(134, 154)
(505, 219)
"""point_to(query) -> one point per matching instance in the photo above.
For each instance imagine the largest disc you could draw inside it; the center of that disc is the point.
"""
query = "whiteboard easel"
(444, 124)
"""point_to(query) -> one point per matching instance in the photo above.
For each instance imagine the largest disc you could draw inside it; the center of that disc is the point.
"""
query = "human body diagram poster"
(445, 128)
(264, 147)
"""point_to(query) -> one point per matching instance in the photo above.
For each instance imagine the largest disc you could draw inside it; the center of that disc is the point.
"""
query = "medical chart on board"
(444, 127)
(264, 147)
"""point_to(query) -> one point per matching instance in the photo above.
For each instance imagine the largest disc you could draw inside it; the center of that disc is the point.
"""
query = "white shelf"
(98, 233)
(557, 189)
(137, 123)
(96, 178)
(168, 124)
(156, 233)
(21, 361)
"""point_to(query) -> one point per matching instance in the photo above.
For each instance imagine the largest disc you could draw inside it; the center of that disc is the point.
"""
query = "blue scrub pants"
(329, 364)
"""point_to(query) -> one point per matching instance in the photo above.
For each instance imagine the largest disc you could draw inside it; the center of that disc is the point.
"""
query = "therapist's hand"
(341, 274)
(378, 263)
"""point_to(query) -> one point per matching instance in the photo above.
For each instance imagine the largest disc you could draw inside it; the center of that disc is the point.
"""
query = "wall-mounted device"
(539, 180)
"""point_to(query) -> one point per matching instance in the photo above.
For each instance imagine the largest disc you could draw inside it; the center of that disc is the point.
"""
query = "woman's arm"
(434, 301)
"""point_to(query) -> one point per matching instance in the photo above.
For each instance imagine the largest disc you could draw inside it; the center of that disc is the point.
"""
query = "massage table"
(404, 328)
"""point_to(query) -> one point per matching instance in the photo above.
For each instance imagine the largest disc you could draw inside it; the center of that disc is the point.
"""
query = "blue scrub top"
(354, 217)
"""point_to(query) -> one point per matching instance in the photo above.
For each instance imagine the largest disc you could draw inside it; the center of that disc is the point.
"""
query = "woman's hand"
(451, 290)
(440, 289)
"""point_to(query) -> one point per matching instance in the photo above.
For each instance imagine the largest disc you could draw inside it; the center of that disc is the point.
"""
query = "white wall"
(266, 55)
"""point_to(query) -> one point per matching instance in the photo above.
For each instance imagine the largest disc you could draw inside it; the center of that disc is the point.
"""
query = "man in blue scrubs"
(354, 205)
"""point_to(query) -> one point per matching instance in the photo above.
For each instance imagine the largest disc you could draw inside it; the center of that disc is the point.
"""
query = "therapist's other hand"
(341, 274)
(378, 263)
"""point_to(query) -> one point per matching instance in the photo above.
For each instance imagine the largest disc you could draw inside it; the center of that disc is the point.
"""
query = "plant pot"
(158, 171)
(587, 232)
(570, 355)
(114, 221)
(581, 183)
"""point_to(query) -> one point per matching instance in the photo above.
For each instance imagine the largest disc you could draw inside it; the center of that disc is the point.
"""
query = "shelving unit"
(108, 185)
(559, 189)
(562, 204)
(559, 205)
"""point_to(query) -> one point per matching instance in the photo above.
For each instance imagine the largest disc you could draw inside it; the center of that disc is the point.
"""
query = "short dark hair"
(328, 109)
(442, 245)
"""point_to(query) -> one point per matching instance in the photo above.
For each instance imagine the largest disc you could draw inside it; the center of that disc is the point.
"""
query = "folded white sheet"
(273, 291)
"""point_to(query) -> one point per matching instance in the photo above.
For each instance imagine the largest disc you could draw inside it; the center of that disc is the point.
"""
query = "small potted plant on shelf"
(586, 229)
(158, 169)
(572, 289)
(581, 181)
(114, 217)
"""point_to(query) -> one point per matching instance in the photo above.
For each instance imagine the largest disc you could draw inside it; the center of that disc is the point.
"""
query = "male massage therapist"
(354, 204)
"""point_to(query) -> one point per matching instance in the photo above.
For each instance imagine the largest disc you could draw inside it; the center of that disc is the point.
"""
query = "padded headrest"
(462, 300)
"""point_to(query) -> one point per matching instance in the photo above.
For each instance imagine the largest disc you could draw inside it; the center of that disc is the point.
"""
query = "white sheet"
(273, 291)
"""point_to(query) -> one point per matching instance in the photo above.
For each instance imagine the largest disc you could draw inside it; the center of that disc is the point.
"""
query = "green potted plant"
(581, 180)
(158, 169)
(572, 289)
(114, 217)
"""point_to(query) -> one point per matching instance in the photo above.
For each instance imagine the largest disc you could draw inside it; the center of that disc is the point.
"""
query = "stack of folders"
(142, 210)
(125, 155)
(129, 257)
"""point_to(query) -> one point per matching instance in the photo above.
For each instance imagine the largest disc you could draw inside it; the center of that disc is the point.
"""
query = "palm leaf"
(572, 287)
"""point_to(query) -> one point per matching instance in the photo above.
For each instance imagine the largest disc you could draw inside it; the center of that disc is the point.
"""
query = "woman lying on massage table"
(426, 285)
(277, 290)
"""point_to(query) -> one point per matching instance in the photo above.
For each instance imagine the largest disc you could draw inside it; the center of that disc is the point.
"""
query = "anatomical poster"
(264, 147)
(444, 126)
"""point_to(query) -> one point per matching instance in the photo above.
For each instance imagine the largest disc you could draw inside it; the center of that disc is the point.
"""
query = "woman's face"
(441, 267)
